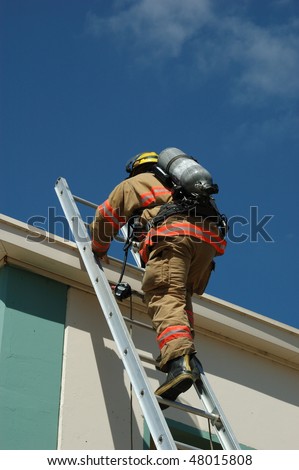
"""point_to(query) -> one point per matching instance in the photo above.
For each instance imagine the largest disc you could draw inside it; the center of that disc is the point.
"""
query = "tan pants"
(175, 269)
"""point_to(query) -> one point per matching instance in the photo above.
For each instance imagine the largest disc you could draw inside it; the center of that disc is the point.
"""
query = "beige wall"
(258, 395)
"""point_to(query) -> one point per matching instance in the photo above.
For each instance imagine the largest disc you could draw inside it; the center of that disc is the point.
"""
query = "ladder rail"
(146, 398)
(222, 427)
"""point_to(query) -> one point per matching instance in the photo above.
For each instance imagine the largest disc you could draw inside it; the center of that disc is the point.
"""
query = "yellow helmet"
(141, 159)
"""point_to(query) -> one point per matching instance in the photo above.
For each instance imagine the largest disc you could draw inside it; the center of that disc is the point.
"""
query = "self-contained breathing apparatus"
(192, 188)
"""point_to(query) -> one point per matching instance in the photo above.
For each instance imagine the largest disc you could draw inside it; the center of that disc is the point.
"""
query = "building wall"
(259, 396)
(32, 317)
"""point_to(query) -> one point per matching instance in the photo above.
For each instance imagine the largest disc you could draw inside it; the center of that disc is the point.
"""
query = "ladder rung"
(183, 446)
(117, 237)
(190, 409)
(138, 323)
(85, 202)
(147, 358)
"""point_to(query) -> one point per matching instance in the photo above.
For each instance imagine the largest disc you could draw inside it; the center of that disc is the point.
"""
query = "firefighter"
(178, 257)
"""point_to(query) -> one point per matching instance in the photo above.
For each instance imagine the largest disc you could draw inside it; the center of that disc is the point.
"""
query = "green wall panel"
(32, 317)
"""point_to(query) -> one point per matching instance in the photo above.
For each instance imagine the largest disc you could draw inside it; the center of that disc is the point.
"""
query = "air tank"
(186, 172)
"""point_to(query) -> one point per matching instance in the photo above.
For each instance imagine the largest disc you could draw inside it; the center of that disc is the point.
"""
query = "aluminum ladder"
(148, 401)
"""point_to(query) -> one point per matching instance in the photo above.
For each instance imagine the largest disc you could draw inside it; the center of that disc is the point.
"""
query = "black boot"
(179, 379)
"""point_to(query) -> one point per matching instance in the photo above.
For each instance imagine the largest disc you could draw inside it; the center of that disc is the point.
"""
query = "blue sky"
(86, 84)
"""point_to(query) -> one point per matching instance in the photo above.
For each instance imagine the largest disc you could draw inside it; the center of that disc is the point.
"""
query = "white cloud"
(265, 59)
(268, 58)
(161, 28)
